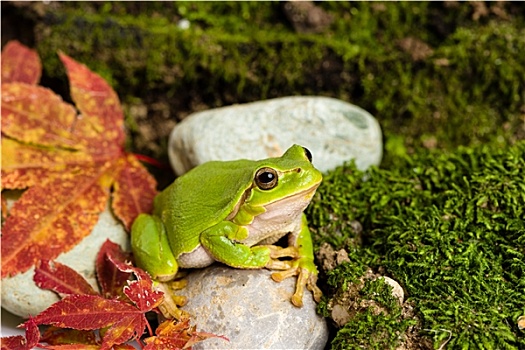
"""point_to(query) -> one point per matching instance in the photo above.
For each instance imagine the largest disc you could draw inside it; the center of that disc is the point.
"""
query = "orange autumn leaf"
(34, 114)
(100, 107)
(69, 162)
(175, 335)
(47, 219)
(20, 63)
(25, 165)
(129, 196)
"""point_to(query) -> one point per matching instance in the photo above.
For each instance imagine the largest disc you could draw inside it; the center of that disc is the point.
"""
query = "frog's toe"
(282, 275)
(171, 303)
(311, 285)
(169, 312)
(277, 252)
(275, 264)
(305, 278)
(178, 284)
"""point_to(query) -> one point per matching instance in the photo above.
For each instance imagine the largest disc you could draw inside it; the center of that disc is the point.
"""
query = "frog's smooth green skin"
(232, 212)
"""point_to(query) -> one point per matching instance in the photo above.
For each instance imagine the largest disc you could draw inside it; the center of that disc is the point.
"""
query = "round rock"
(333, 130)
(22, 297)
(251, 310)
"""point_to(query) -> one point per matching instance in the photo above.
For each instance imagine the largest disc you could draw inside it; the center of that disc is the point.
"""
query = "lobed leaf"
(133, 190)
(140, 291)
(91, 312)
(20, 64)
(64, 336)
(102, 124)
(61, 279)
(175, 335)
(68, 161)
(111, 279)
(48, 220)
(19, 342)
(36, 115)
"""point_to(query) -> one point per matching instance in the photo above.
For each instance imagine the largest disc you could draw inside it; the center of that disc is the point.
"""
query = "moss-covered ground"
(444, 214)
(450, 229)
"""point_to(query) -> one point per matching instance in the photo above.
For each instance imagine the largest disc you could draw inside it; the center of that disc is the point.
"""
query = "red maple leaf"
(171, 335)
(19, 342)
(61, 279)
(70, 163)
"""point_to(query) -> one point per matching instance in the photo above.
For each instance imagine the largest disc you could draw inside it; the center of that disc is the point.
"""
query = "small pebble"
(397, 290)
(333, 130)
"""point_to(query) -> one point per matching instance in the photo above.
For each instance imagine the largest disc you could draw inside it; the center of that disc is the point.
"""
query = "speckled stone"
(333, 130)
(251, 310)
(22, 297)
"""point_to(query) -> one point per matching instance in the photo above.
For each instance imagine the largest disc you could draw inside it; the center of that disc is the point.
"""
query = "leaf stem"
(151, 161)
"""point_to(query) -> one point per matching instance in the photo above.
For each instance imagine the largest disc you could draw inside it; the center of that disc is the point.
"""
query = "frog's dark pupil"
(266, 177)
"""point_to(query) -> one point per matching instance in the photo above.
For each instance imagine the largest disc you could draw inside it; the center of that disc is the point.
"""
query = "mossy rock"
(449, 228)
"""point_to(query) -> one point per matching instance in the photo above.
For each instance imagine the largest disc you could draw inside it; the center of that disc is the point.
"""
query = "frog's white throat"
(280, 218)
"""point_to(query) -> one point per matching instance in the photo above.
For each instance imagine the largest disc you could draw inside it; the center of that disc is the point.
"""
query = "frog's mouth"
(298, 200)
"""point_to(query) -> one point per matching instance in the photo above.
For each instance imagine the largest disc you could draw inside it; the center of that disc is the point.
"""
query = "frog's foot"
(276, 253)
(171, 303)
(307, 277)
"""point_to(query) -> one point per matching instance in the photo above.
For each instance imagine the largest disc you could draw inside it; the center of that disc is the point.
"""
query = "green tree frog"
(232, 212)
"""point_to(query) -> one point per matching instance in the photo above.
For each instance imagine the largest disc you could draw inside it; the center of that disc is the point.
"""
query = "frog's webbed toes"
(305, 278)
(171, 303)
(277, 252)
(300, 266)
(311, 285)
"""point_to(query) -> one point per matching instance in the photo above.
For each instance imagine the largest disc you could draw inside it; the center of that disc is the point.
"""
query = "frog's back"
(200, 199)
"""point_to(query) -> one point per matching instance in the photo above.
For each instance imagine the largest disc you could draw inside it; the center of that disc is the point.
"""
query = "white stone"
(251, 310)
(397, 290)
(333, 130)
(22, 297)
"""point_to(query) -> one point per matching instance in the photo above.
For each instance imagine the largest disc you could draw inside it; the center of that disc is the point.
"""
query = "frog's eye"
(307, 154)
(266, 178)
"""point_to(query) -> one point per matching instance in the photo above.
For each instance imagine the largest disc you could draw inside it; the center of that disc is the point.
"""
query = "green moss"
(467, 91)
(450, 229)
(371, 331)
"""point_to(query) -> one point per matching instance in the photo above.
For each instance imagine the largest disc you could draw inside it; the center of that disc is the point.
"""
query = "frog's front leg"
(222, 242)
(302, 265)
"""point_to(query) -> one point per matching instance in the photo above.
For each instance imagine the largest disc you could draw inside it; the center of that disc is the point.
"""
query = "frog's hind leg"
(302, 265)
(152, 253)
